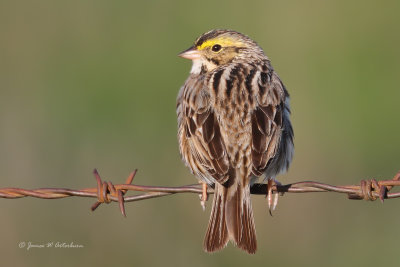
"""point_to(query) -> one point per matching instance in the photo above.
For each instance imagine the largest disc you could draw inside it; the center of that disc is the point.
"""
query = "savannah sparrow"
(233, 120)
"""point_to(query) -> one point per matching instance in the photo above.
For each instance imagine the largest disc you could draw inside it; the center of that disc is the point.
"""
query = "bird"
(234, 128)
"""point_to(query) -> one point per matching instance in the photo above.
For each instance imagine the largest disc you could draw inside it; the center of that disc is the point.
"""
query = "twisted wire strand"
(106, 192)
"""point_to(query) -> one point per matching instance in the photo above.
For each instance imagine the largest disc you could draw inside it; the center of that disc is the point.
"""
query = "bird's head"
(221, 47)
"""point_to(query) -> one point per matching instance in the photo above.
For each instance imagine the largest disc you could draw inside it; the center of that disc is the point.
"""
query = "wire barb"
(106, 192)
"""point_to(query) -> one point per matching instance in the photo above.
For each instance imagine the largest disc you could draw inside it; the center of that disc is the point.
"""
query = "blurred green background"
(87, 84)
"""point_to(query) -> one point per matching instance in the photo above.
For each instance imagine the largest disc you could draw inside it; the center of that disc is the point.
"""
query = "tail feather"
(239, 218)
(217, 234)
(231, 219)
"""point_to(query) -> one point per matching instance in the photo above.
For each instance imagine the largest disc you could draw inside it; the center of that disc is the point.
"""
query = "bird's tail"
(231, 219)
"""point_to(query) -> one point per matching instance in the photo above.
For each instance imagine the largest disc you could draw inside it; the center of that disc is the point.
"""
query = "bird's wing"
(267, 119)
(200, 141)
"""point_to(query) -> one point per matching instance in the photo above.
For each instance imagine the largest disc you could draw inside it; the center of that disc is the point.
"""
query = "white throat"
(196, 67)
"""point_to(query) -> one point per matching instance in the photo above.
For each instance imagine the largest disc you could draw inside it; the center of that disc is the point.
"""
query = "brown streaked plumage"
(233, 120)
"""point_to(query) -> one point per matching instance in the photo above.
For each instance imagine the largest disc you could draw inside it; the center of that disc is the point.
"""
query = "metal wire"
(106, 192)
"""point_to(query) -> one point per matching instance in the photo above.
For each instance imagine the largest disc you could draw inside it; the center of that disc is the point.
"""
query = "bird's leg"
(272, 202)
(204, 195)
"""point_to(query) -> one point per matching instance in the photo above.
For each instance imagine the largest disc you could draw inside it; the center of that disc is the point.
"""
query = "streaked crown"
(227, 38)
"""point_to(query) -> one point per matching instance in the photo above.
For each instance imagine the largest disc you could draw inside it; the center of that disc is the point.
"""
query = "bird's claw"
(272, 201)
(203, 196)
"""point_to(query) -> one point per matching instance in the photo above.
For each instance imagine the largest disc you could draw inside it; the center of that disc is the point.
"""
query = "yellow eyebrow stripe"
(220, 41)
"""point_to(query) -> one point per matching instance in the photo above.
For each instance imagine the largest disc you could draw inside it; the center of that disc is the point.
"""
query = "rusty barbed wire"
(107, 192)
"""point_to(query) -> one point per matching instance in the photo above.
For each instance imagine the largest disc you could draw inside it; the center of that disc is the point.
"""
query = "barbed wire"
(106, 192)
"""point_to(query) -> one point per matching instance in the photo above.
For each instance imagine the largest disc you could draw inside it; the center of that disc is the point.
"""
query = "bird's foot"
(272, 200)
(203, 196)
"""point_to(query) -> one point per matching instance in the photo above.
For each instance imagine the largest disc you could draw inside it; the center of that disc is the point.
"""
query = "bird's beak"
(191, 53)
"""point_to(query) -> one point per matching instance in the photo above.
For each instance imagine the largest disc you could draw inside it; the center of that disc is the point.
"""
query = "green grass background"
(87, 84)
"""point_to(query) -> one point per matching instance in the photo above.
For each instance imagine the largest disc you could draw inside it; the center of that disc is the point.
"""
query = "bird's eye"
(216, 47)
